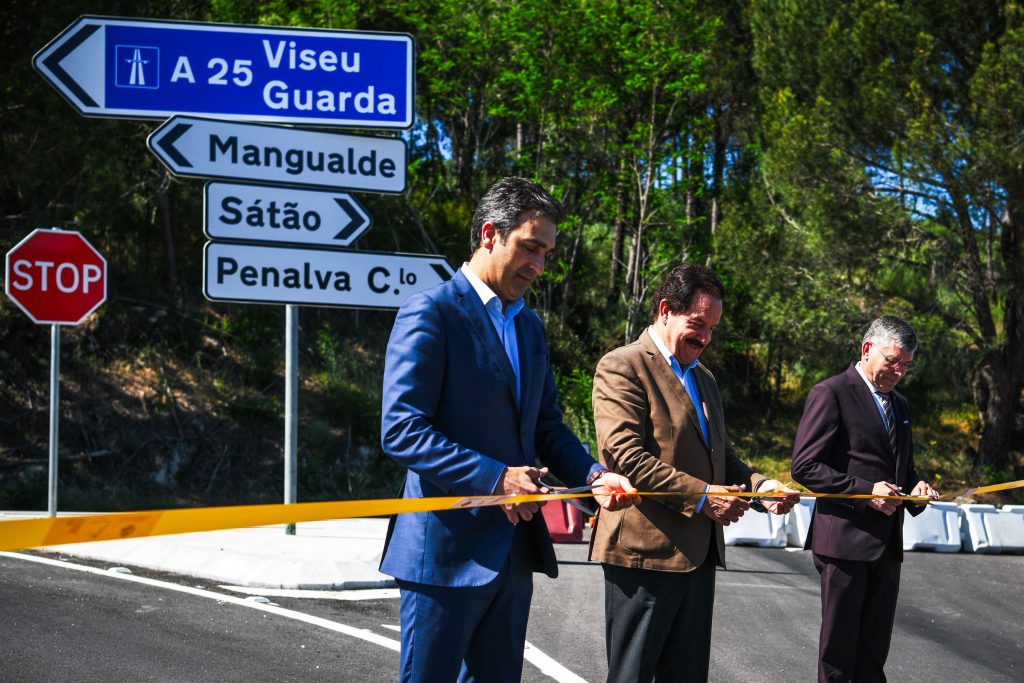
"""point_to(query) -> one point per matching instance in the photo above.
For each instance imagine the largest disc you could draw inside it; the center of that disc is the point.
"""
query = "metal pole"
(291, 408)
(51, 504)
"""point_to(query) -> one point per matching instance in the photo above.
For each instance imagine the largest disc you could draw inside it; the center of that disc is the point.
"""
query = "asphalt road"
(959, 619)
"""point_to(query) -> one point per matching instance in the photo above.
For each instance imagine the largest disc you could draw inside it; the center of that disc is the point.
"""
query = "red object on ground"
(565, 522)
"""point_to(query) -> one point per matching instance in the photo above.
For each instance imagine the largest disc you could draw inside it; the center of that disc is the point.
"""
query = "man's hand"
(778, 506)
(923, 488)
(520, 481)
(724, 510)
(614, 492)
(885, 506)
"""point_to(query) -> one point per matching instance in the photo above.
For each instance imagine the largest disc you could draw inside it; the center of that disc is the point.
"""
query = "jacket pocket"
(647, 530)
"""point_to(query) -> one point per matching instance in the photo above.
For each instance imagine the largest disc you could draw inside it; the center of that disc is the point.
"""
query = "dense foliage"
(832, 161)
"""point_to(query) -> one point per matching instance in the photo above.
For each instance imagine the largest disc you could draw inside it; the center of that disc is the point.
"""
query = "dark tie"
(890, 421)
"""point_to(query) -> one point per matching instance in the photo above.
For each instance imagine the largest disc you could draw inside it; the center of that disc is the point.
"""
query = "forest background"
(832, 161)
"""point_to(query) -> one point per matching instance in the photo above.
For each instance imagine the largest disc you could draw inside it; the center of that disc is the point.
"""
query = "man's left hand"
(778, 506)
(923, 488)
(614, 492)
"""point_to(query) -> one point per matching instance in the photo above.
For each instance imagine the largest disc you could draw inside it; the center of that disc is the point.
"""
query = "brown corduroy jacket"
(648, 430)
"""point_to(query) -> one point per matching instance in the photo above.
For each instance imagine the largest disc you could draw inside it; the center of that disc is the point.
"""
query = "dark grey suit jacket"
(842, 447)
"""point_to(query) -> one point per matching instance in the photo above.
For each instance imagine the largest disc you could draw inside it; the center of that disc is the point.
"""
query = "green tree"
(892, 136)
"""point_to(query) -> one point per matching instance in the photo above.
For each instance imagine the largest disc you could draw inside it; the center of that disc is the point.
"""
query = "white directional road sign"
(205, 148)
(286, 275)
(153, 69)
(266, 213)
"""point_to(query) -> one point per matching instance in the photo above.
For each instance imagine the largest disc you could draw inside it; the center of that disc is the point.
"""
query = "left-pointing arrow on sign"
(141, 68)
(87, 40)
(206, 148)
(166, 144)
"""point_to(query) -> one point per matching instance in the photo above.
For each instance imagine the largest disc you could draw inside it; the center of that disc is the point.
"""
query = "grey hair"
(890, 328)
(506, 202)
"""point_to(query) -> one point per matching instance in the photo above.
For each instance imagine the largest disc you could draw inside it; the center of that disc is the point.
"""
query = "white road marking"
(363, 594)
(362, 634)
(547, 666)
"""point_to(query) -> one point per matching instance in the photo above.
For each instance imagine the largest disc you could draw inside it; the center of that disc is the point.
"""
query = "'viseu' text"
(285, 55)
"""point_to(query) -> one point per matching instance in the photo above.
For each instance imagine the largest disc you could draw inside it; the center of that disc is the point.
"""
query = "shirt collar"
(656, 338)
(871, 387)
(487, 296)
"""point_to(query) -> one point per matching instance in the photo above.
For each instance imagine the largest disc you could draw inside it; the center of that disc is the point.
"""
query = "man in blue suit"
(469, 406)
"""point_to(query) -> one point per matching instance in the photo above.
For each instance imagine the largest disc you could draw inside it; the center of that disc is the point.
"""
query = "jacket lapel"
(869, 408)
(670, 384)
(482, 327)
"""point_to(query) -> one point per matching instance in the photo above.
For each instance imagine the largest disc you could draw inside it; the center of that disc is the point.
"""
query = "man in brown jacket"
(660, 423)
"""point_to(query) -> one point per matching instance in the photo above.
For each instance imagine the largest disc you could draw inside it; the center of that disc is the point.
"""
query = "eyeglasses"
(895, 363)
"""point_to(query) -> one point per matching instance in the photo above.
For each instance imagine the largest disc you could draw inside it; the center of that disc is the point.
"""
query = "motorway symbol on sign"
(154, 69)
(314, 277)
(265, 213)
(206, 148)
(56, 277)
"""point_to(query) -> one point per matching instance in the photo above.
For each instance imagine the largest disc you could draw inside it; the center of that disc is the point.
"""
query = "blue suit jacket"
(450, 417)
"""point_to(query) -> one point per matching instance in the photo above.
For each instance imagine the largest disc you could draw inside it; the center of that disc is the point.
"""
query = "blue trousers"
(472, 633)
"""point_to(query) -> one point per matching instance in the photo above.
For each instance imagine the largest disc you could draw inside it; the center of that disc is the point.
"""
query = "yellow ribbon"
(16, 534)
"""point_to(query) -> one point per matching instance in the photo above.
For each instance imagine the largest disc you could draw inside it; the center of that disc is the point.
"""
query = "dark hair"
(890, 328)
(506, 202)
(682, 283)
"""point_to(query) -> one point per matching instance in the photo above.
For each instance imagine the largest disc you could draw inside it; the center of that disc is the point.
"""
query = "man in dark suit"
(659, 420)
(854, 438)
(469, 405)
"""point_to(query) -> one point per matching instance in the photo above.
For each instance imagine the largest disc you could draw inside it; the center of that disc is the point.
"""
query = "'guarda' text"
(284, 56)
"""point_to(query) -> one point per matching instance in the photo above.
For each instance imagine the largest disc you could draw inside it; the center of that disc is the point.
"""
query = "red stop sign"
(55, 276)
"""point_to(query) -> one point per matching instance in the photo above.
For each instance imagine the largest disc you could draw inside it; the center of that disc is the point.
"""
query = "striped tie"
(890, 420)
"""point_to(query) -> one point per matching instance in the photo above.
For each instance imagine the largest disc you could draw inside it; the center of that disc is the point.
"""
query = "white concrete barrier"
(985, 529)
(757, 528)
(937, 528)
(798, 522)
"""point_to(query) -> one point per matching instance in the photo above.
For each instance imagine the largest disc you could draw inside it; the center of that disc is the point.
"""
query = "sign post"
(56, 277)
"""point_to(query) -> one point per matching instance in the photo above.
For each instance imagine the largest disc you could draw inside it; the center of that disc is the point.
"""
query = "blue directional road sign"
(135, 68)
(266, 213)
(205, 148)
(273, 274)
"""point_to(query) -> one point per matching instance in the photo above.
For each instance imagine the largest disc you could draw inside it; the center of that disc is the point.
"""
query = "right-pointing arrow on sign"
(267, 213)
(358, 220)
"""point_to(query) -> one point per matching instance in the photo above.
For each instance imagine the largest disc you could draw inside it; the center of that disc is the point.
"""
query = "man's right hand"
(884, 505)
(724, 510)
(520, 481)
